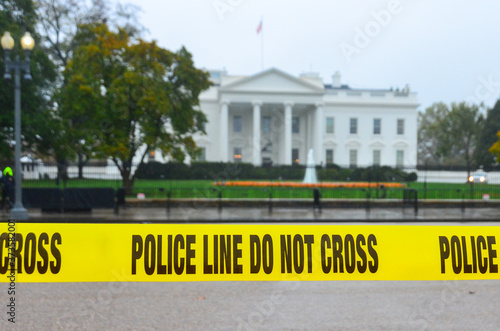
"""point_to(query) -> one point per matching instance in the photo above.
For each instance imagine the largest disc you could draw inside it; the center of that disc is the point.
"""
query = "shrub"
(244, 171)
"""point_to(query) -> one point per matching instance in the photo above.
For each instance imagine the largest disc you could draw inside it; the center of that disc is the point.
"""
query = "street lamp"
(27, 43)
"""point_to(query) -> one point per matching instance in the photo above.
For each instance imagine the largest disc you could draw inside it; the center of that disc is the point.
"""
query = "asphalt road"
(459, 305)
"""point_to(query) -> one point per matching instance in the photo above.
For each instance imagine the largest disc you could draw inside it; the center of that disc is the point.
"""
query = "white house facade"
(274, 117)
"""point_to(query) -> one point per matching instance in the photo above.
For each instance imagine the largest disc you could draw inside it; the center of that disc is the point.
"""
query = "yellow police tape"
(170, 252)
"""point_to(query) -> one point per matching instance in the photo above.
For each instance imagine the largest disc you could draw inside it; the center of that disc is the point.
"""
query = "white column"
(309, 132)
(256, 133)
(224, 124)
(288, 133)
(318, 133)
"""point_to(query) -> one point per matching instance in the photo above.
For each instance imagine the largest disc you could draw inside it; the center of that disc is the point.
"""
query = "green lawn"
(206, 189)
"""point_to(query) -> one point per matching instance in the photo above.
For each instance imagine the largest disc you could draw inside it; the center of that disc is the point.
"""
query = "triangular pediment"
(272, 80)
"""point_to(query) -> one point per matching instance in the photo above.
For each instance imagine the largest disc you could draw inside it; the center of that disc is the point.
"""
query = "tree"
(59, 23)
(428, 133)
(459, 132)
(60, 20)
(487, 138)
(448, 135)
(19, 17)
(495, 149)
(66, 138)
(136, 97)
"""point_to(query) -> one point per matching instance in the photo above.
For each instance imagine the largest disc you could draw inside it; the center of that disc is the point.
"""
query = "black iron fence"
(211, 181)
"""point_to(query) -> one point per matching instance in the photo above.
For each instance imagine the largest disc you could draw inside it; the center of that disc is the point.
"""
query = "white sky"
(446, 50)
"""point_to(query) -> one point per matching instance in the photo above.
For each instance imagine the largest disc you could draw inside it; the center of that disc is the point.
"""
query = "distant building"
(274, 117)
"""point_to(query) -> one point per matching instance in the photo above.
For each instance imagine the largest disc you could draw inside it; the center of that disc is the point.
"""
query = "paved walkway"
(333, 305)
(256, 214)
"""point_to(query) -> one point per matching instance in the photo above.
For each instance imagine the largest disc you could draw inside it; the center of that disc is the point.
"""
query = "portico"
(257, 132)
(269, 118)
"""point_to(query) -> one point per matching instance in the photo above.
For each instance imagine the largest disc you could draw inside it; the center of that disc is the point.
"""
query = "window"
(295, 125)
(203, 154)
(401, 126)
(377, 124)
(354, 126)
(295, 155)
(329, 156)
(237, 154)
(400, 156)
(266, 124)
(237, 124)
(329, 125)
(353, 158)
(267, 161)
(376, 157)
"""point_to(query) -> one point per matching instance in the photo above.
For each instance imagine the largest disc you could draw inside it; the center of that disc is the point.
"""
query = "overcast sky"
(446, 50)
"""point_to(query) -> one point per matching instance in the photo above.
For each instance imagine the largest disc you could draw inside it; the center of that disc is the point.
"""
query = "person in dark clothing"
(8, 187)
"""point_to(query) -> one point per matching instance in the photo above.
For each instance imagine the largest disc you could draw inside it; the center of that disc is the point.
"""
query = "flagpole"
(262, 45)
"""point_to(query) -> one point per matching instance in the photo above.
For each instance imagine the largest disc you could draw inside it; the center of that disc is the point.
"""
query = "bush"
(244, 171)
(412, 177)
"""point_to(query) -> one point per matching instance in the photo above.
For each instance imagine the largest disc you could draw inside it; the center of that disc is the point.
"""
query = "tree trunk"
(125, 171)
(81, 163)
(128, 185)
(469, 165)
(62, 170)
(128, 180)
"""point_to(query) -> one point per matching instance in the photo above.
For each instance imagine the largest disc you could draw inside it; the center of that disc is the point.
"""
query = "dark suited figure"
(8, 187)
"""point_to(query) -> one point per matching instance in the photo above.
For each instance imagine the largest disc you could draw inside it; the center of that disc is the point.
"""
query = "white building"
(275, 117)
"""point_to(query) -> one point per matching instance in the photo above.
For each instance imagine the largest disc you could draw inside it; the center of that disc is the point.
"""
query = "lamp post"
(27, 43)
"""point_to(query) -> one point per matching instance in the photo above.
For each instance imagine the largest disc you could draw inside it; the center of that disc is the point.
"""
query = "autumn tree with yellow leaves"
(495, 149)
(128, 97)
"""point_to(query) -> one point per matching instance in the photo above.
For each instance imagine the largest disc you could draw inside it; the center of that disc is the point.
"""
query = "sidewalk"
(262, 215)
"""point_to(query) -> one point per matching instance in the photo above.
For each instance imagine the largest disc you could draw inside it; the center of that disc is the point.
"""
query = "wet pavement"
(192, 214)
(334, 305)
(307, 305)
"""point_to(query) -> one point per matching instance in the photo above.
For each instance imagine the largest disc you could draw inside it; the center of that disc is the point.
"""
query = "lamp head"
(7, 41)
(27, 42)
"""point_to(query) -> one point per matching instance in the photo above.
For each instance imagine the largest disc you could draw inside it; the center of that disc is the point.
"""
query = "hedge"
(246, 171)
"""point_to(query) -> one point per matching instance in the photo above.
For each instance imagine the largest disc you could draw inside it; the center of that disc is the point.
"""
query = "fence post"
(415, 200)
(369, 191)
(317, 202)
(116, 203)
(410, 195)
(425, 181)
(220, 201)
(62, 200)
(463, 201)
(120, 199)
(270, 202)
(368, 202)
(472, 193)
(405, 194)
(425, 189)
(169, 197)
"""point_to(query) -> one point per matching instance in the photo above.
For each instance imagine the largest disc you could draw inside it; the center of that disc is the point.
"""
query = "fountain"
(310, 177)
